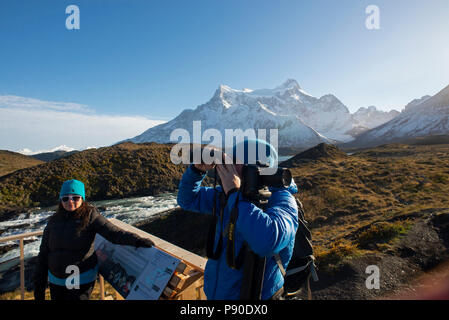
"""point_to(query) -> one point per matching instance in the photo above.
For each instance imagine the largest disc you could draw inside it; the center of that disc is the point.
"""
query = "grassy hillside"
(12, 161)
(383, 181)
(389, 203)
(112, 172)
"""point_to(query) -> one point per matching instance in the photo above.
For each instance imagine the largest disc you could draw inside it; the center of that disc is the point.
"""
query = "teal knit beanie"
(72, 187)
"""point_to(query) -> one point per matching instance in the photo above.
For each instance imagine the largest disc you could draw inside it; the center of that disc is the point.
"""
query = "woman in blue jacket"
(267, 233)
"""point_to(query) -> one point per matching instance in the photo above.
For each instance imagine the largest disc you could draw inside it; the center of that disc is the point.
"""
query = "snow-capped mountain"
(246, 109)
(29, 152)
(371, 117)
(301, 119)
(421, 117)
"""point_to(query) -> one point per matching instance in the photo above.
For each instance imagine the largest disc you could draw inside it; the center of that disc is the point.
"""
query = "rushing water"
(129, 210)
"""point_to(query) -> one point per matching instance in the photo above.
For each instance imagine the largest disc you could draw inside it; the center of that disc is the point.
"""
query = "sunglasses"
(74, 198)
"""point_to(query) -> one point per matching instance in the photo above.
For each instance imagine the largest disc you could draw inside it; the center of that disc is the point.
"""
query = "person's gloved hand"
(144, 242)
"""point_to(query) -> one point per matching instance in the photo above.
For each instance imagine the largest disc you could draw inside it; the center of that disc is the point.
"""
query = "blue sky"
(146, 61)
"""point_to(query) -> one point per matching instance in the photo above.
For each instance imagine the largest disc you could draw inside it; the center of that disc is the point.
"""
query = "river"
(129, 210)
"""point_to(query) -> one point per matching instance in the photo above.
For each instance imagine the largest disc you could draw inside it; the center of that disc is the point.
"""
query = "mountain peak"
(441, 99)
(222, 88)
(370, 109)
(330, 98)
(416, 102)
(286, 85)
(289, 84)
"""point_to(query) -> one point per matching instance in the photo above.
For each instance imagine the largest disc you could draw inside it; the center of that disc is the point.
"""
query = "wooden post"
(22, 270)
(101, 287)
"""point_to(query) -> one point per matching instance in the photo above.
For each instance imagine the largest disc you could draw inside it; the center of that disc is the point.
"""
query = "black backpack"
(302, 264)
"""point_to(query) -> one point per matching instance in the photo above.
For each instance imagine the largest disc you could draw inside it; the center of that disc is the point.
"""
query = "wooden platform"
(188, 279)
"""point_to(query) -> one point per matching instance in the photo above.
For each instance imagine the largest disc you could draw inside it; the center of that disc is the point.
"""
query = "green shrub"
(383, 232)
(331, 260)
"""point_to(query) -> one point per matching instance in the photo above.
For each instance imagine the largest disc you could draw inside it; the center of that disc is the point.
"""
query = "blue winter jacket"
(267, 233)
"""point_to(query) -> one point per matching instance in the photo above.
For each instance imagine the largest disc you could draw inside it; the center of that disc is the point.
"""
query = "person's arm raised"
(193, 197)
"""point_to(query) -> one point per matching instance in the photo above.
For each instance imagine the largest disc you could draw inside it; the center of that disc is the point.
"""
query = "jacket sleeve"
(268, 232)
(113, 233)
(193, 197)
(41, 273)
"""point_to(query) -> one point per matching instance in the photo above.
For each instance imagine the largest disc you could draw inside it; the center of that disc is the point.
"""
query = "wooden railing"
(21, 237)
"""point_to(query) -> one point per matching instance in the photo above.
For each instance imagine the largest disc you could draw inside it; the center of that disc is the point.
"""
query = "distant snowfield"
(29, 152)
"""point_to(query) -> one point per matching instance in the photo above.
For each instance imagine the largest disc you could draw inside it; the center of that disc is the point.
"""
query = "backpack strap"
(251, 264)
(233, 261)
(289, 272)
(278, 260)
(310, 263)
(211, 254)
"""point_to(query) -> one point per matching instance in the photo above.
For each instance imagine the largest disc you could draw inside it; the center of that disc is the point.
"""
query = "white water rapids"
(129, 210)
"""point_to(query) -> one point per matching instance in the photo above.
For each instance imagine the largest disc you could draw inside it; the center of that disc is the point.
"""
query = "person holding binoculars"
(247, 233)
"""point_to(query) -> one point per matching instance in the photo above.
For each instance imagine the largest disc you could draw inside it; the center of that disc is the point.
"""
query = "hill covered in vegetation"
(385, 206)
(12, 161)
(122, 170)
(50, 156)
